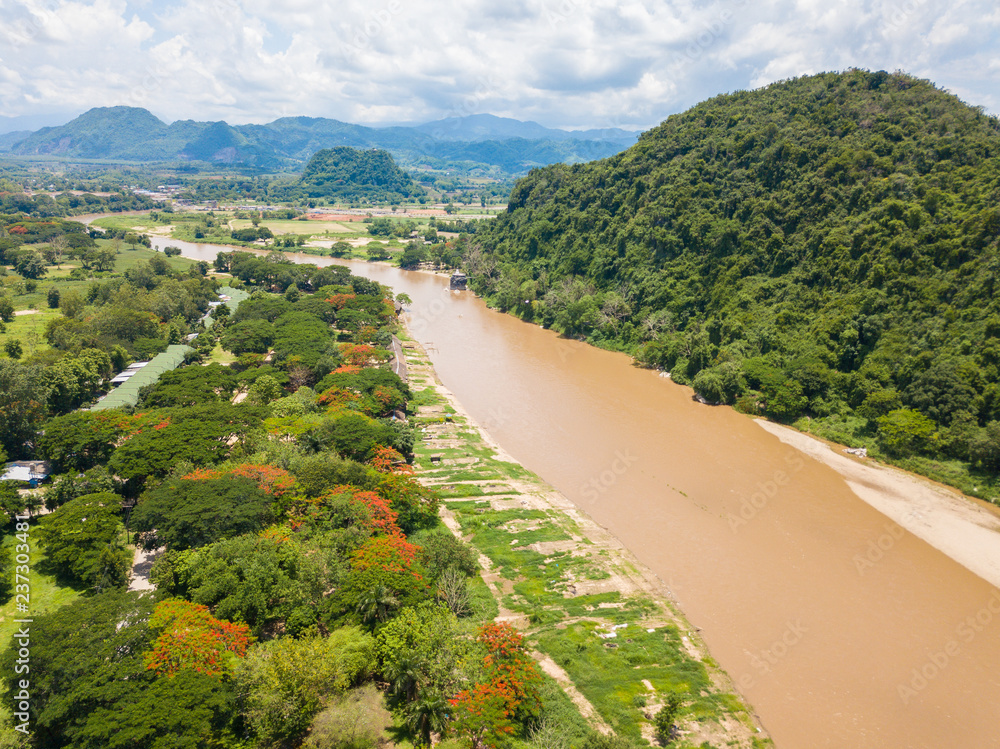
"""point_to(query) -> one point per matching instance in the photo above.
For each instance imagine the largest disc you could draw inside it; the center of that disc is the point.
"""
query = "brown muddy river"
(841, 629)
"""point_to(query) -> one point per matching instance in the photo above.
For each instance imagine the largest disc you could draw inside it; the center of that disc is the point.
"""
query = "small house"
(30, 472)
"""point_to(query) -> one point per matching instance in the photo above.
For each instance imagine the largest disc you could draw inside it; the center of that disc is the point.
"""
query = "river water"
(841, 629)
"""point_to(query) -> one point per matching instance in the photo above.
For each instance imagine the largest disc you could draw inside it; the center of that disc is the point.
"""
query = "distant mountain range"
(135, 134)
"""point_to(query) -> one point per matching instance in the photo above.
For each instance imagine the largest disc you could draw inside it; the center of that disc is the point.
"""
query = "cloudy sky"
(564, 63)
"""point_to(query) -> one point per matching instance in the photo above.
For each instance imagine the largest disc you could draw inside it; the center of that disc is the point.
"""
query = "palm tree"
(403, 674)
(428, 714)
(377, 605)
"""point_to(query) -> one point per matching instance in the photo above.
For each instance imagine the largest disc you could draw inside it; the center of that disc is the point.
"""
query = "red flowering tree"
(363, 355)
(481, 715)
(339, 301)
(486, 713)
(511, 669)
(388, 398)
(388, 460)
(347, 369)
(385, 577)
(337, 398)
(366, 334)
(382, 518)
(191, 638)
(415, 505)
(388, 554)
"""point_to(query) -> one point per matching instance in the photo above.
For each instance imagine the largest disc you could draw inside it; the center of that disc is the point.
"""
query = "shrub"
(284, 683)
(354, 721)
(904, 431)
(665, 719)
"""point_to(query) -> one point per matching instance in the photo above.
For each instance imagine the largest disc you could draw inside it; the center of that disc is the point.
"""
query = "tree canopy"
(187, 513)
(81, 540)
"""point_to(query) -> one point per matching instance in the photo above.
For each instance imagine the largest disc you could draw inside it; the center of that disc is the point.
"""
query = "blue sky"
(563, 63)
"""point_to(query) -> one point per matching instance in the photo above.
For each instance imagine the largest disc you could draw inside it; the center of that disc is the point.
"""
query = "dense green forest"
(822, 250)
(347, 173)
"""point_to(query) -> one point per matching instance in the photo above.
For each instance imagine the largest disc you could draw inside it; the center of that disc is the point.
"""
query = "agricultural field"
(31, 297)
(383, 237)
(298, 226)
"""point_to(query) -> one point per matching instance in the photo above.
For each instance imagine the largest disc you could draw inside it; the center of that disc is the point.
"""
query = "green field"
(294, 226)
(34, 313)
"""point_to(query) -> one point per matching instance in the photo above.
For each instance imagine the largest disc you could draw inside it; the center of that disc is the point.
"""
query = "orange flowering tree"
(339, 301)
(481, 716)
(191, 638)
(338, 398)
(363, 355)
(385, 577)
(486, 713)
(388, 398)
(82, 439)
(381, 517)
(415, 504)
(511, 669)
(347, 369)
(389, 554)
(389, 460)
(366, 334)
(271, 479)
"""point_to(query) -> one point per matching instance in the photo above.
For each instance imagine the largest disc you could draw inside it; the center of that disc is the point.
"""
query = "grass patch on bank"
(610, 672)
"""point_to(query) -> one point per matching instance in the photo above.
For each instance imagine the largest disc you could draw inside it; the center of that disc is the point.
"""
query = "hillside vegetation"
(825, 247)
(347, 173)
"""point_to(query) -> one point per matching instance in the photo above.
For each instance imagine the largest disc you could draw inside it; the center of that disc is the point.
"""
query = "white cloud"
(572, 63)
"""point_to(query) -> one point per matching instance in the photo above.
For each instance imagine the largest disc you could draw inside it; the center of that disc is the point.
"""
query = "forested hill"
(349, 174)
(826, 246)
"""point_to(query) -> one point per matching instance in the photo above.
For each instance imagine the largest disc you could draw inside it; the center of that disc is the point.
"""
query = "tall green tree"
(284, 683)
(187, 513)
(81, 540)
(24, 392)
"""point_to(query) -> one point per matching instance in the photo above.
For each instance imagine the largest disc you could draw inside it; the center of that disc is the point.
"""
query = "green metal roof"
(127, 394)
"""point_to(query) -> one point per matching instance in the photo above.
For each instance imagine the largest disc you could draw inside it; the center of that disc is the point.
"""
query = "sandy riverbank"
(964, 528)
